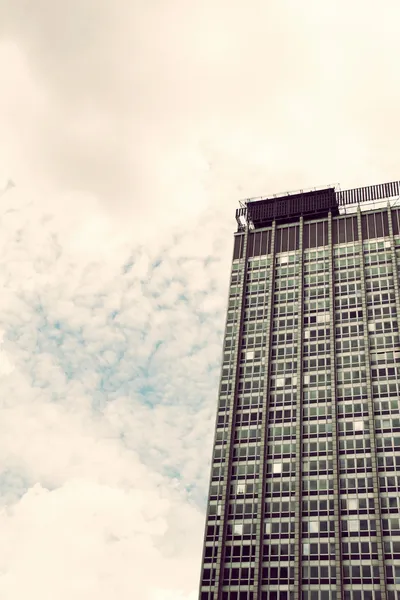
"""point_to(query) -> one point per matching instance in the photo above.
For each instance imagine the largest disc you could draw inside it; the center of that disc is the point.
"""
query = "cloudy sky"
(131, 129)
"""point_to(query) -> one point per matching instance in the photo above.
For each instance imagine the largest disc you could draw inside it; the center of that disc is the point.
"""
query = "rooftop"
(314, 203)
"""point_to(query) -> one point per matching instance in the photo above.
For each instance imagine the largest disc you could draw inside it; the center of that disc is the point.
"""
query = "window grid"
(364, 344)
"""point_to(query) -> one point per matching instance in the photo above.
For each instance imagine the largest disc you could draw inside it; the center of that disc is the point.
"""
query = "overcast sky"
(131, 129)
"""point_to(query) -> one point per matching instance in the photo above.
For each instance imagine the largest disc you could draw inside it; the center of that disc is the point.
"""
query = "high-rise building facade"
(304, 498)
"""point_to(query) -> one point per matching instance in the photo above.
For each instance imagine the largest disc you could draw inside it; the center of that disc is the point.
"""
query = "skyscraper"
(304, 499)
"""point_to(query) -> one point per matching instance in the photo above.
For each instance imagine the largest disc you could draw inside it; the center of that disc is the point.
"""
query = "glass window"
(353, 525)
(238, 528)
(314, 526)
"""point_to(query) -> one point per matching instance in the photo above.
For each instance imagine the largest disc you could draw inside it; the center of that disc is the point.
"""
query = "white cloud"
(109, 399)
(131, 130)
(103, 536)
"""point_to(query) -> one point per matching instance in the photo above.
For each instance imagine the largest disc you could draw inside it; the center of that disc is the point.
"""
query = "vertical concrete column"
(371, 419)
(335, 445)
(299, 421)
(264, 425)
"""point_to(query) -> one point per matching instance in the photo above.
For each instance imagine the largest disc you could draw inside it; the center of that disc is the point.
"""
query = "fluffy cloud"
(92, 540)
(131, 130)
(158, 108)
(108, 380)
